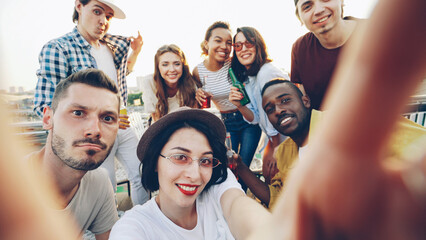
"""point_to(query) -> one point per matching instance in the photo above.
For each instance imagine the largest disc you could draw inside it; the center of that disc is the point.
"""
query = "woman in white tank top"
(213, 74)
(172, 85)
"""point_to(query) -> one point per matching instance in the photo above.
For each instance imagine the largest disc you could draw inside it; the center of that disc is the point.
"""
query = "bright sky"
(25, 26)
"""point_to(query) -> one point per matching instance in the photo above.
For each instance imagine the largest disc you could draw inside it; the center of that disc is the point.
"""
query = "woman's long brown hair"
(186, 84)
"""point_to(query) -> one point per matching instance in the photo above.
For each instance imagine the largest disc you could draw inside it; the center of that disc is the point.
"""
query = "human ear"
(306, 101)
(206, 44)
(47, 118)
(78, 5)
(298, 16)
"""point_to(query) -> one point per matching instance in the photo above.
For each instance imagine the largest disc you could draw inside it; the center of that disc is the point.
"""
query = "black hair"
(149, 174)
(281, 80)
(217, 24)
(262, 57)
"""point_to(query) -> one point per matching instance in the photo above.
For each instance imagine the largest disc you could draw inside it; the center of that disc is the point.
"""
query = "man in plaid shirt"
(88, 46)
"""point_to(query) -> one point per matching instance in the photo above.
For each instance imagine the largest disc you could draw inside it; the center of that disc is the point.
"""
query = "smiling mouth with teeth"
(188, 190)
(322, 19)
(285, 120)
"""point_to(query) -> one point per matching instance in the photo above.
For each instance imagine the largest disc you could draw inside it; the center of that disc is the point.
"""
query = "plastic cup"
(123, 111)
(207, 102)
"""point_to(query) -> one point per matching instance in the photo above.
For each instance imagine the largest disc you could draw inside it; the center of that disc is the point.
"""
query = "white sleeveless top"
(150, 100)
(218, 84)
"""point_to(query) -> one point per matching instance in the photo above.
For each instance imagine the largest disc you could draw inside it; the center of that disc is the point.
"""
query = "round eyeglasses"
(182, 159)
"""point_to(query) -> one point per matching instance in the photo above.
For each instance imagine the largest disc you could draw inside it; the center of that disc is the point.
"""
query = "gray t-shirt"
(93, 205)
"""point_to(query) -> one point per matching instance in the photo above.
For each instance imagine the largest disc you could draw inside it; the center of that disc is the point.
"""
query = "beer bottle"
(207, 101)
(240, 86)
(230, 155)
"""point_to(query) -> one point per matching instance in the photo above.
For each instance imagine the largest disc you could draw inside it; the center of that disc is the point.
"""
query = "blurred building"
(23, 121)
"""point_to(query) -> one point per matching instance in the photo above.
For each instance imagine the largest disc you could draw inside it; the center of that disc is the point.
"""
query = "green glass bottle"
(240, 86)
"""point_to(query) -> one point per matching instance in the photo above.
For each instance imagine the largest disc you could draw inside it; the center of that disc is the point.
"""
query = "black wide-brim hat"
(181, 114)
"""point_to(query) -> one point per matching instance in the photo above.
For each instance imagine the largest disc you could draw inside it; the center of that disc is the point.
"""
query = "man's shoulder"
(33, 156)
(63, 41)
(111, 37)
(96, 181)
(354, 19)
(288, 148)
(287, 143)
(304, 40)
(33, 159)
(117, 41)
(406, 139)
(94, 204)
(96, 176)
(96, 185)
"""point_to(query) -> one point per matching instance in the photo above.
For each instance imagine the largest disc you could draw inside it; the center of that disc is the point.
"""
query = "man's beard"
(84, 164)
(303, 125)
(325, 29)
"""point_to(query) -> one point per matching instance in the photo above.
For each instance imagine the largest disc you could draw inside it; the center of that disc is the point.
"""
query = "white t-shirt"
(148, 222)
(150, 99)
(105, 61)
(302, 152)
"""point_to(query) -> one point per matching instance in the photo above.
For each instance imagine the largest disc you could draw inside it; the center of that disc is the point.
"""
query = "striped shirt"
(70, 53)
(218, 84)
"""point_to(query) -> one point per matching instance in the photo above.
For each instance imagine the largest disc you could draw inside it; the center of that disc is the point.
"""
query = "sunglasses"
(238, 46)
(182, 159)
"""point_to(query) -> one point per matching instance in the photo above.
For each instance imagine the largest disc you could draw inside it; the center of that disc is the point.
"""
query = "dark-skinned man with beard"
(291, 114)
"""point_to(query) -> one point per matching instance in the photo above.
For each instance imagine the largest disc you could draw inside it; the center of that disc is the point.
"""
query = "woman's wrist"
(241, 107)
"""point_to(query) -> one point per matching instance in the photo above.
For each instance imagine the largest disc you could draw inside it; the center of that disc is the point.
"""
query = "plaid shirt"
(70, 53)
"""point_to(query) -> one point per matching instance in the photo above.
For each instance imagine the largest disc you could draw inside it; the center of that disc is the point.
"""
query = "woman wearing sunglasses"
(184, 157)
(213, 74)
(172, 85)
(252, 66)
